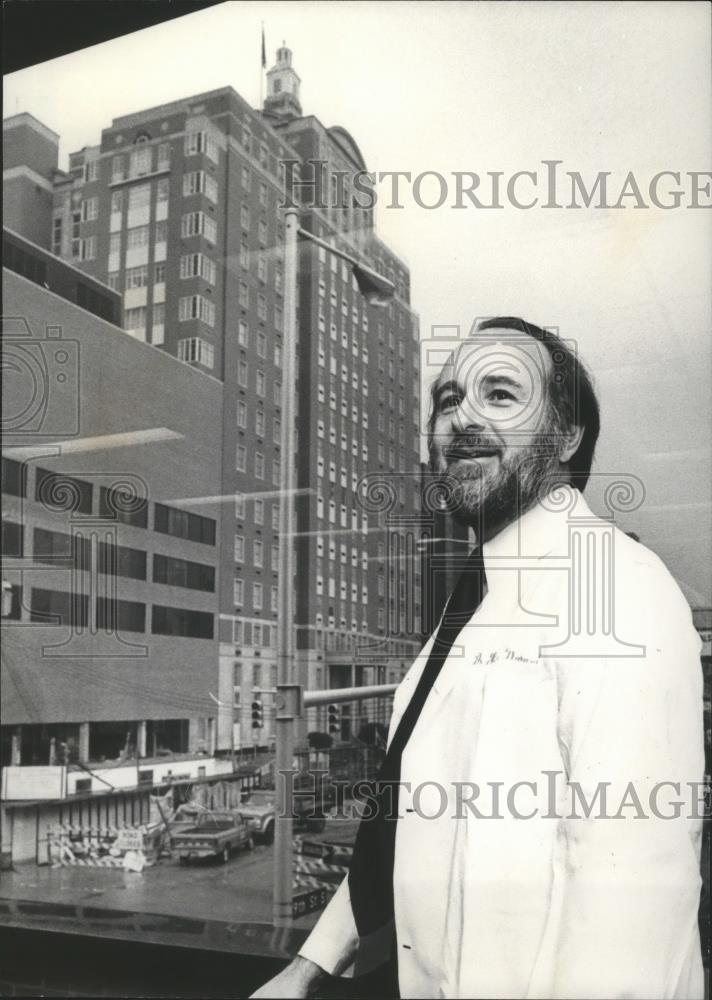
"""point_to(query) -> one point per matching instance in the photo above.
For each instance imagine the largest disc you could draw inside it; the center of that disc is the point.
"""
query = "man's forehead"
(497, 351)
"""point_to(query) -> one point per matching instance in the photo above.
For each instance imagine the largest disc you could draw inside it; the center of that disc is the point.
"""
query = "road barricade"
(102, 847)
(318, 864)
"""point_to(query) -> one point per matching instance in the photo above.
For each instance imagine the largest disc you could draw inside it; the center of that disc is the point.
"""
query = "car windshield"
(260, 799)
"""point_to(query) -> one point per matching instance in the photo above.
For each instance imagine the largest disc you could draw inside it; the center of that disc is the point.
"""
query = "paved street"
(239, 891)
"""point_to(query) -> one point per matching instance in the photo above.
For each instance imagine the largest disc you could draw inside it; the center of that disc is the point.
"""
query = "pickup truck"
(309, 805)
(258, 810)
(214, 835)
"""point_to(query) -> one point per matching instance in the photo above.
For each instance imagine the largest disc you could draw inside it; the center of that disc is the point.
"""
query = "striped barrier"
(344, 851)
(318, 867)
(89, 863)
(308, 882)
(99, 847)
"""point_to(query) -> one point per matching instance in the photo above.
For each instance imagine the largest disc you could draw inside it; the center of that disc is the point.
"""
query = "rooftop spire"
(283, 86)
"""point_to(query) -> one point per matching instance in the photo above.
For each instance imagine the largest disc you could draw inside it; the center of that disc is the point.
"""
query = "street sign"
(309, 902)
(129, 840)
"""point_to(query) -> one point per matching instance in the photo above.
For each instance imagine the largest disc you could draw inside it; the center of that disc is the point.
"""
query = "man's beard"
(487, 501)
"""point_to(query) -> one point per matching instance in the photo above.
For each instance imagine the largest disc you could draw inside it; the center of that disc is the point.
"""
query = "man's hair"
(570, 388)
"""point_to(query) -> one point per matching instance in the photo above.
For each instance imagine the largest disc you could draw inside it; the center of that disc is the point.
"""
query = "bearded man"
(535, 830)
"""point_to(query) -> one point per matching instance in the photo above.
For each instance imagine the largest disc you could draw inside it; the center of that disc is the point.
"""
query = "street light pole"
(377, 291)
(284, 717)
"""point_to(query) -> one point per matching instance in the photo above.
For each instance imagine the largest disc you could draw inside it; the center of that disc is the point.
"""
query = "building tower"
(283, 87)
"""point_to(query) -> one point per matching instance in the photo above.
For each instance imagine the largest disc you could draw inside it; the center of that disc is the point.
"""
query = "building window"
(118, 169)
(116, 615)
(184, 524)
(57, 548)
(135, 319)
(121, 560)
(257, 550)
(53, 607)
(90, 209)
(140, 161)
(57, 224)
(164, 156)
(199, 224)
(84, 249)
(118, 505)
(259, 465)
(183, 573)
(137, 237)
(260, 383)
(241, 458)
(201, 142)
(242, 338)
(239, 506)
(181, 622)
(241, 413)
(238, 592)
(262, 267)
(196, 307)
(136, 277)
(139, 196)
(242, 373)
(259, 511)
(260, 423)
(243, 295)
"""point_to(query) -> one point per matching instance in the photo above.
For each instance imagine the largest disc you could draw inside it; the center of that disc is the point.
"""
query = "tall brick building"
(178, 209)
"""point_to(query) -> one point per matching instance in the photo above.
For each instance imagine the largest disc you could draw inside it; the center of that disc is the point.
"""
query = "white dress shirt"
(493, 904)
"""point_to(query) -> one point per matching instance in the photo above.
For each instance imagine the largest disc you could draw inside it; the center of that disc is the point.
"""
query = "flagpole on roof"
(263, 64)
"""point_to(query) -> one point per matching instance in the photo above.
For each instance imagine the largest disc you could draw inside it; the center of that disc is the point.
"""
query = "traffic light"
(334, 718)
(257, 715)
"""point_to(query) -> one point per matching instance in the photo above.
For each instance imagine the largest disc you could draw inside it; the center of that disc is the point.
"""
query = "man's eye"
(448, 402)
(500, 396)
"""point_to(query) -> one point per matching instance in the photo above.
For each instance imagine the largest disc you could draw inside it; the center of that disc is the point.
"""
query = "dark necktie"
(371, 872)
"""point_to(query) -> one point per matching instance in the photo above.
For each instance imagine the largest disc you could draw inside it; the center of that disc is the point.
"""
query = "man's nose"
(468, 415)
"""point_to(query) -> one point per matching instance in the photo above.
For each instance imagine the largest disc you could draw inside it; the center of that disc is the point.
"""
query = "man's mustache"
(472, 446)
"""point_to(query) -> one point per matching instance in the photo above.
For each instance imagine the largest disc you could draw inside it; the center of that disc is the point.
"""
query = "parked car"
(215, 835)
(258, 809)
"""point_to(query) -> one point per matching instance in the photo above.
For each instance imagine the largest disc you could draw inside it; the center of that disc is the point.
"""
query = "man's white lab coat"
(490, 903)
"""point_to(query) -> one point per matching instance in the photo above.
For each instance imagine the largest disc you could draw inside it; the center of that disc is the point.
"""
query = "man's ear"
(569, 444)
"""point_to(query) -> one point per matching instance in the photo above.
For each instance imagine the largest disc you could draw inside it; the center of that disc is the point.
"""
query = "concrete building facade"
(111, 644)
(179, 210)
